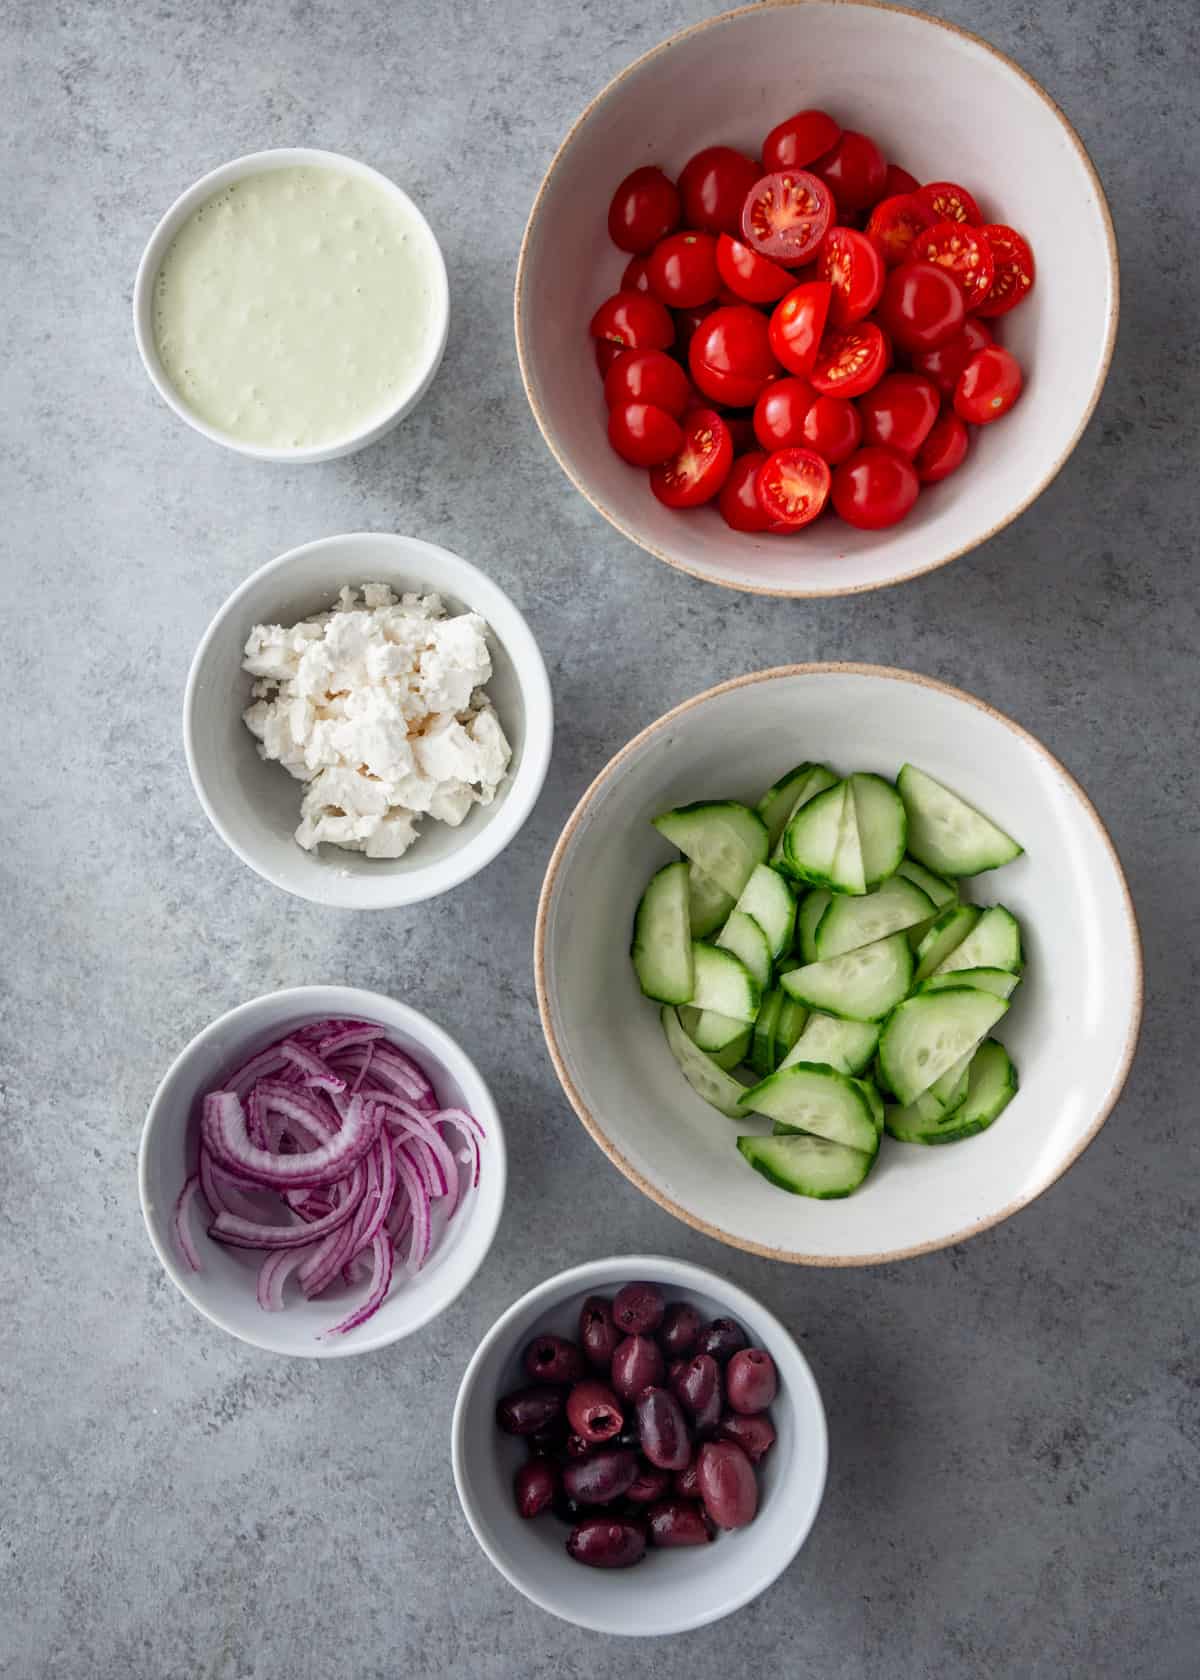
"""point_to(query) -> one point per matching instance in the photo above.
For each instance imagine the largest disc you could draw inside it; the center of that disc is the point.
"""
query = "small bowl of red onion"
(322, 1171)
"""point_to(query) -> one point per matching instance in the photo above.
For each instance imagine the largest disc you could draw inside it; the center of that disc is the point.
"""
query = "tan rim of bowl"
(590, 1121)
(1051, 473)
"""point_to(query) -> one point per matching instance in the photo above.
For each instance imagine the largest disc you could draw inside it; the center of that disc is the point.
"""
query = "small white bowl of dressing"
(292, 305)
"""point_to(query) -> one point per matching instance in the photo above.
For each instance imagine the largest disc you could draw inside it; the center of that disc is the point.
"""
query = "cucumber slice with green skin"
(862, 985)
(875, 1102)
(995, 980)
(779, 801)
(882, 826)
(994, 942)
(735, 1052)
(929, 1033)
(917, 1123)
(991, 1086)
(818, 1101)
(792, 1019)
(724, 839)
(662, 938)
(772, 903)
(743, 936)
(808, 918)
(819, 778)
(846, 1046)
(763, 1049)
(848, 874)
(851, 922)
(949, 1090)
(807, 1166)
(708, 904)
(718, 1088)
(810, 840)
(943, 894)
(714, 1033)
(945, 833)
(943, 938)
(725, 984)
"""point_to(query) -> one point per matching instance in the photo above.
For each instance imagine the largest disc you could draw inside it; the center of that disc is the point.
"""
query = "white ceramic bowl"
(255, 806)
(944, 104)
(670, 1591)
(256, 163)
(1071, 1029)
(224, 1291)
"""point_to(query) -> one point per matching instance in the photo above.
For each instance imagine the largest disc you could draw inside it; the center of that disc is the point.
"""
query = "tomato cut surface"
(786, 216)
(950, 202)
(988, 386)
(696, 474)
(730, 355)
(795, 142)
(713, 187)
(895, 223)
(854, 170)
(922, 306)
(797, 325)
(833, 427)
(899, 412)
(793, 487)
(633, 321)
(854, 269)
(780, 410)
(850, 360)
(944, 450)
(875, 489)
(644, 209)
(963, 251)
(738, 502)
(752, 278)
(1012, 262)
(944, 364)
(647, 376)
(683, 270)
(644, 435)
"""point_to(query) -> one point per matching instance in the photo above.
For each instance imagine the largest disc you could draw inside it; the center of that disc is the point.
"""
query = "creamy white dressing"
(295, 306)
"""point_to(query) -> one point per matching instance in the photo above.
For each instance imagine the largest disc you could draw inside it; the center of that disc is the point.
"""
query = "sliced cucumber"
(929, 1033)
(994, 942)
(724, 983)
(995, 980)
(949, 1089)
(715, 1033)
(812, 907)
(810, 840)
(772, 903)
(735, 1052)
(819, 778)
(882, 826)
(724, 839)
(943, 893)
(991, 1086)
(779, 801)
(862, 985)
(851, 922)
(791, 1023)
(846, 1046)
(816, 1100)
(847, 874)
(945, 935)
(743, 936)
(947, 834)
(763, 1053)
(875, 1101)
(917, 1123)
(717, 1087)
(662, 939)
(708, 904)
(807, 1166)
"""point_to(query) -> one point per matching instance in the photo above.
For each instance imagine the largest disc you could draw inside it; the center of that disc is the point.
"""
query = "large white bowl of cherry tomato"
(816, 297)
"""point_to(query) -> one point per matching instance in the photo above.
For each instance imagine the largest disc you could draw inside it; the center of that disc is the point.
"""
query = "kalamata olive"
(568, 1510)
(722, 1339)
(699, 1380)
(629, 1437)
(638, 1308)
(679, 1329)
(750, 1381)
(675, 1370)
(603, 1543)
(529, 1411)
(601, 1476)
(663, 1429)
(728, 1484)
(637, 1364)
(649, 1485)
(755, 1435)
(577, 1447)
(535, 1486)
(598, 1335)
(678, 1522)
(594, 1411)
(687, 1484)
(552, 1359)
(547, 1443)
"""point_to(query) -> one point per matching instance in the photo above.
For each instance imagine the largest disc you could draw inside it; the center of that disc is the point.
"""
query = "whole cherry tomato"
(898, 180)
(874, 489)
(899, 412)
(730, 355)
(739, 504)
(647, 376)
(636, 277)
(950, 202)
(922, 306)
(752, 278)
(780, 410)
(833, 427)
(713, 187)
(944, 364)
(797, 325)
(894, 224)
(854, 170)
(988, 386)
(697, 472)
(686, 322)
(606, 354)
(634, 322)
(793, 487)
(855, 271)
(785, 216)
(683, 270)
(944, 450)
(795, 142)
(850, 360)
(644, 209)
(1013, 263)
(644, 435)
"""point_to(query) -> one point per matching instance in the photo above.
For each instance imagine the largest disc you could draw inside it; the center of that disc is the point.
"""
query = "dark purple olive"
(649, 1485)
(577, 1447)
(755, 1435)
(637, 1364)
(535, 1486)
(603, 1543)
(750, 1381)
(728, 1485)
(594, 1411)
(663, 1429)
(529, 1411)
(598, 1335)
(677, 1522)
(552, 1359)
(722, 1339)
(699, 1380)
(675, 1370)
(567, 1510)
(601, 1476)
(679, 1329)
(687, 1485)
(629, 1437)
(547, 1443)
(638, 1309)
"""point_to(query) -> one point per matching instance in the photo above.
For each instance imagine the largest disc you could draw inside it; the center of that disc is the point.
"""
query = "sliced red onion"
(381, 1282)
(422, 1223)
(317, 1073)
(183, 1207)
(343, 1034)
(247, 1233)
(223, 1128)
(274, 1273)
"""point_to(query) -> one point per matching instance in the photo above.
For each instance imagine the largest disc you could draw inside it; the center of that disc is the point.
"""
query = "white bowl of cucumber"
(870, 915)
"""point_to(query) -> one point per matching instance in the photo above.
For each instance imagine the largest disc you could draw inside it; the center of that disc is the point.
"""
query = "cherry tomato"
(741, 431)
(900, 412)
(780, 410)
(922, 306)
(854, 170)
(833, 427)
(683, 270)
(647, 376)
(739, 504)
(988, 386)
(854, 269)
(944, 364)
(636, 277)
(714, 185)
(795, 142)
(850, 360)
(698, 471)
(944, 450)
(1013, 261)
(793, 487)
(898, 180)
(797, 324)
(895, 222)
(686, 322)
(644, 209)
(964, 252)
(786, 216)
(644, 435)
(753, 278)
(634, 322)
(730, 355)
(606, 354)
(728, 298)
(949, 202)
(875, 488)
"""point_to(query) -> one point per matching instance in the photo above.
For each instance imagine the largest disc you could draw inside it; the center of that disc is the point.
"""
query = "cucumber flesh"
(818, 780)
(724, 839)
(945, 833)
(763, 1048)
(929, 1033)
(991, 1086)
(724, 983)
(851, 922)
(949, 1089)
(791, 1023)
(945, 936)
(882, 826)
(862, 985)
(715, 1033)
(846, 1046)
(995, 980)
(807, 1166)
(943, 893)
(735, 1052)
(779, 801)
(818, 1101)
(810, 840)
(875, 1102)
(743, 936)
(847, 874)
(662, 939)
(808, 918)
(772, 903)
(718, 1088)
(994, 942)
(708, 904)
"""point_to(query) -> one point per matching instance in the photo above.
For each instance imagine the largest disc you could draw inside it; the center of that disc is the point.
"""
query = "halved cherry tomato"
(730, 355)
(833, 427)
(855, 271)
(739, 504)
(854, 170)
(636, 277)
(1013, 261)
(899, 413)
(797, 324)
(950, 202)
(786, 216)
(753, 278)
(647, 376)
(683, 270)
(922, 306)
(644, 435)
(944, 364)
(780, 410)
(795, 142)
(714, 185)
(793, 487)
(606, 354)
(633, 321)
(898, 180)
(698, 471)
(962, 251)
(988, 386)
(895, 222)
(944, 450)
(875, 488)
(644, 209)
(850, 360)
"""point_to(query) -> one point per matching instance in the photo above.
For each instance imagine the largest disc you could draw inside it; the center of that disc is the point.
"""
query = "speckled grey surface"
(1015, 1424)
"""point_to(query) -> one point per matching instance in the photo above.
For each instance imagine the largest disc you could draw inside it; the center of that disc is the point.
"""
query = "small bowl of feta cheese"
(368, 721)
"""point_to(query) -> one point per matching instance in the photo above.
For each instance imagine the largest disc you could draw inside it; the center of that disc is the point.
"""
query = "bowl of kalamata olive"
(639, 1447)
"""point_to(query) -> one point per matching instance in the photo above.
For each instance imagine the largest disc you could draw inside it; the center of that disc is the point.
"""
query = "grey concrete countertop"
(1015, 1423)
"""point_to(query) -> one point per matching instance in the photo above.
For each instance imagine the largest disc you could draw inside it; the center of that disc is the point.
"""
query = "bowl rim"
(537, 699)
(365, 1005)
(686, 1274)
(1051, 473)
(600, 1137)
